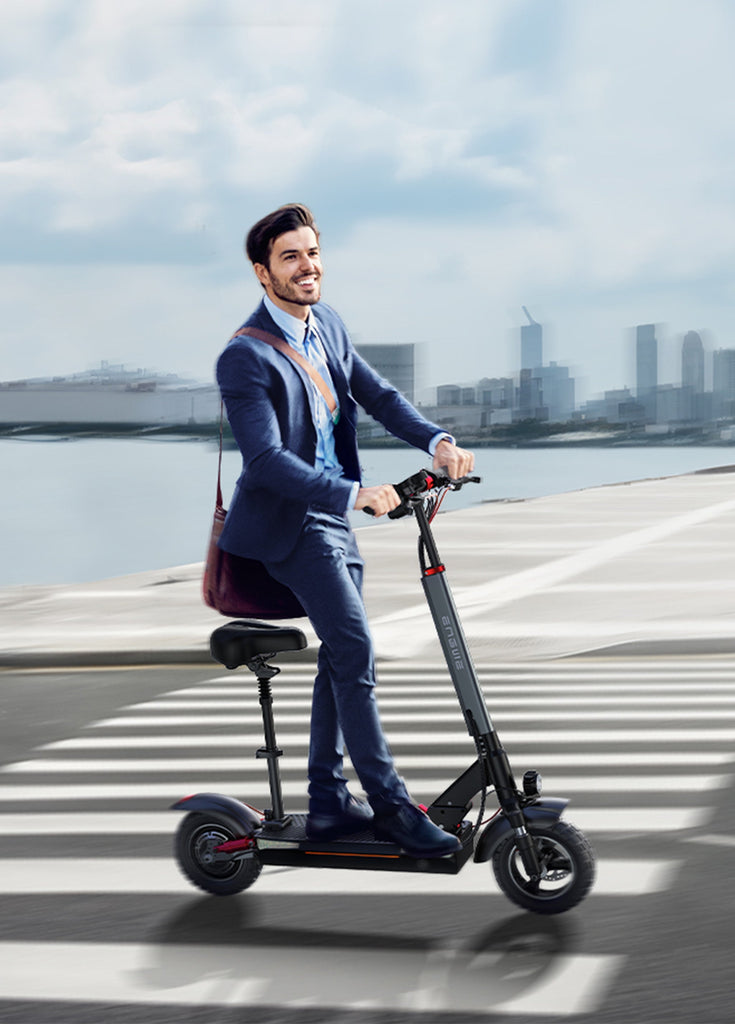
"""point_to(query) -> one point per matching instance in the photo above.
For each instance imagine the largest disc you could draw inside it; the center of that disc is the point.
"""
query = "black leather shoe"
(358, 815)
(415, 833)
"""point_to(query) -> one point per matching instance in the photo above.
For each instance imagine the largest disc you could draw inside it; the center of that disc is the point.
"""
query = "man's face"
(292, 278)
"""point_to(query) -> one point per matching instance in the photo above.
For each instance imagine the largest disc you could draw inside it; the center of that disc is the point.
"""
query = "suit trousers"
(325, 572)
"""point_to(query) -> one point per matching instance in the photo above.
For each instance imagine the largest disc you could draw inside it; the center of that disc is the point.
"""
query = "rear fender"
(242, 816)
(543, 811)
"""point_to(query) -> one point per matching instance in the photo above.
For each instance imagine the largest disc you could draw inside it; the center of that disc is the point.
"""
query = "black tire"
(568, 860)
(219, 874)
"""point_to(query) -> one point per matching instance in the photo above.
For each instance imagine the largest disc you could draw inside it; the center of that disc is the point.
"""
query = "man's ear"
(261, 272)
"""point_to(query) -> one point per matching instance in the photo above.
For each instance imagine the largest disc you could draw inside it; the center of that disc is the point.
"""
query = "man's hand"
(456, 461)
(380, 499)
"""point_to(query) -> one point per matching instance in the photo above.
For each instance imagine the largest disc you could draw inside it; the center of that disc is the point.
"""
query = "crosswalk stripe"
(413, 982)
(161, 875)
(388, 700)
(428, 717)
(250, 741)
(631, 758)
(693, 667)
(192, 766)
(622, 667)
(491, 687)
(422, 789)
(589, 820)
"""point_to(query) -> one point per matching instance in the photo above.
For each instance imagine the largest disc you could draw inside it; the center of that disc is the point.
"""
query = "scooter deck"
(361, 850)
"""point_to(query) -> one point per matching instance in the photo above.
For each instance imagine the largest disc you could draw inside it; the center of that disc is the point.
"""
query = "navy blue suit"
(291, 516)
(268, 398)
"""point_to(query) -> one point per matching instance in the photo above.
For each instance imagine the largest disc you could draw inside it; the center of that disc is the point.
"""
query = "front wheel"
(568, 863)
(197, 838)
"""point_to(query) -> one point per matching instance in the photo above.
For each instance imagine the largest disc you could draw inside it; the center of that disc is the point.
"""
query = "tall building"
(557, 389)
(646, 364)
(394, 362)
(530, 404)
(532, 343)
(646, 358)
(692, 362)
(449, 394)
(723, 382)
(496, 392)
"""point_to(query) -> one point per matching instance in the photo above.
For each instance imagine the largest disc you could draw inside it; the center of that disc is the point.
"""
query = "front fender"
(240, 814)
(543, 811)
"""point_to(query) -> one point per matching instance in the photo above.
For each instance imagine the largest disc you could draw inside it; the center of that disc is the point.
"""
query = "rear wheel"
(195, 846)
(568, 863)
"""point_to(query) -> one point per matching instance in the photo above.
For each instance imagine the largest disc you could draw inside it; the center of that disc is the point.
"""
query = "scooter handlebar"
(415, 487)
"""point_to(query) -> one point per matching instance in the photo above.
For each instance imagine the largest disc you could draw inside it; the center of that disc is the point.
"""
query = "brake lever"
(457, 485)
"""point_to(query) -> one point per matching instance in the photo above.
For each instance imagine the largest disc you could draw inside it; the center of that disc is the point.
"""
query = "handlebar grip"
(368, 511)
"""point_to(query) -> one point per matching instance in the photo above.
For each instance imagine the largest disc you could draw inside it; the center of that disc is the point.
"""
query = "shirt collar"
(292, 327)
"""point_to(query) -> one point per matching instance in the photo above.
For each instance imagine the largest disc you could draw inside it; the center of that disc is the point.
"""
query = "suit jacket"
(269, 399)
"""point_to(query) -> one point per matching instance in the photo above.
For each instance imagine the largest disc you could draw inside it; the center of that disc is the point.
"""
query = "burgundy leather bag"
(242, 587)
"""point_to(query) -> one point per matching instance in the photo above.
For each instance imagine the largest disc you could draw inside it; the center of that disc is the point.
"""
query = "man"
(300, 477)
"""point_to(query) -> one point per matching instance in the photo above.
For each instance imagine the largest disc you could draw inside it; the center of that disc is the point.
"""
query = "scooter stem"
(491, 755)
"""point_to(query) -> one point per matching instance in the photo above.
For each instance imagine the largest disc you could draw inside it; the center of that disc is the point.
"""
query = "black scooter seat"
(239, 642)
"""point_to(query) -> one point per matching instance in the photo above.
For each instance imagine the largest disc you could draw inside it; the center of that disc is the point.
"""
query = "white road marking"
(191, 766)
(717, 666)
(566, 677)
(712, 840)
(408, 630)
(633, 758)
(547, 684)
(163, 822)
(257, 791)
(161, 875)
(409, 981)
(251, 741)
(448, 700)
(688, 586)
(425, 718)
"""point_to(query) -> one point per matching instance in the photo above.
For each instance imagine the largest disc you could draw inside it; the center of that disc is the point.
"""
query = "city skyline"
(696, 364)
(462, 161)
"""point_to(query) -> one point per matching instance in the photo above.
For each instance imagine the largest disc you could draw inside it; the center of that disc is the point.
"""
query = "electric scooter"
(541, 862)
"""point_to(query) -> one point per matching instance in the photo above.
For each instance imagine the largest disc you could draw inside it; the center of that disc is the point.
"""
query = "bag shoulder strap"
(219, 464)
(287, 350)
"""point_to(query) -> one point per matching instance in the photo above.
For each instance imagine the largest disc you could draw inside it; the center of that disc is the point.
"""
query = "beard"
(288, 291)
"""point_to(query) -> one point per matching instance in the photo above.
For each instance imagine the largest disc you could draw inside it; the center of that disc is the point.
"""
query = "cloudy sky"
(463, 159)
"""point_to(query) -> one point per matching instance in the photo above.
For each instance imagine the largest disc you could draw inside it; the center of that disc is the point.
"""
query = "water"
(78, 510)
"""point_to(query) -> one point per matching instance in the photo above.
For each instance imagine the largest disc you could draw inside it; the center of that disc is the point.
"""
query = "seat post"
(274, 815)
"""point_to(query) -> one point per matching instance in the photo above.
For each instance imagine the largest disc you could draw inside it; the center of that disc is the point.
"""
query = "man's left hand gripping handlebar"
(455, 461)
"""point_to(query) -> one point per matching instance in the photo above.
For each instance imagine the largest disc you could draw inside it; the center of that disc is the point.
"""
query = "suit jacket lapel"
(262, 319)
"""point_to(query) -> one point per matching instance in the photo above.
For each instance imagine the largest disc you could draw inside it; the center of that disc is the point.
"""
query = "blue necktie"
(324, 420)
(314, 353)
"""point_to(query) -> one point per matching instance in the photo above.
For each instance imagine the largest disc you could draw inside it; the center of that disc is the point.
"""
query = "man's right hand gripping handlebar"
(377, 501)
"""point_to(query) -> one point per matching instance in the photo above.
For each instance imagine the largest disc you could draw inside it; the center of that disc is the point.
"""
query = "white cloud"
(638, 159)
(471, 158)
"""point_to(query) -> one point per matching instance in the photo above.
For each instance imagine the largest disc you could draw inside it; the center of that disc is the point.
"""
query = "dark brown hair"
(260, 238)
